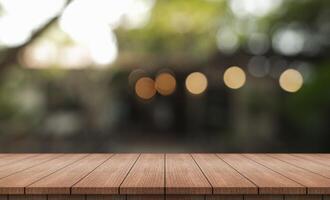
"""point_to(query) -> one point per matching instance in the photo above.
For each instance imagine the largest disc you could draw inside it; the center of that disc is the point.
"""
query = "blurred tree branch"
(11, 54)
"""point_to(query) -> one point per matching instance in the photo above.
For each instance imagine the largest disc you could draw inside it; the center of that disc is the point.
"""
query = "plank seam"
(307, 189)
(298, 155)
(165, 175)
(89, 172)
(53, 172)
(240, 174)
(31, 156)
(31, 166)
(202, 173)
(129, 171)
(299, 166)
(276, 172)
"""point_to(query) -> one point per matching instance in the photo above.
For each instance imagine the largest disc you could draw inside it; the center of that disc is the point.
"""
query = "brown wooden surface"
(323, 170)
(7, 159)
(164, 176)
(146, 177)
(315, 183)
(11, 185)
(317, 158)
(61, 181)
(66, 197)
(108, 177)
(183, 176)
(18, 166)
(267, 180)
(223, 178)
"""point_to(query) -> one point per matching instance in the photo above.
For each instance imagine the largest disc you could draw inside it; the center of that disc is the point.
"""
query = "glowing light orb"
(196, 83)
(291, 80)
(234, 77)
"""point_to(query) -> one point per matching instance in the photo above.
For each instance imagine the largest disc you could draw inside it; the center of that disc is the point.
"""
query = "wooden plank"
(183, 176)
(27, 197)
(65, 197)
(224, 197)
(326, 197)
(317, 158)
(264, 197)
(315, 183)
(303, 197)
(145, 197)
(185, 197)
(106, 197)
(11, 185)
(223, 178)
(107, 178)
(268, 181)
(147, 176)
(306, 164)
(24, 164)
(7, 159)
(3, 197)
(61, 181)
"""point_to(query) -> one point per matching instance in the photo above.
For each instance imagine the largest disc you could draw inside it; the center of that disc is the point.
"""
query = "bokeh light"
(145, 88)
(258, 66)
(196, 83)
(165, 84)
(291, 80)
(288, 41)
(227, 41)
(20, 19)
(234, 77)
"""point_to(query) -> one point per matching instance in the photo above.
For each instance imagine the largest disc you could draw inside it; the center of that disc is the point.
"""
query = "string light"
(234, 77)
(165, 84)
(145, 88)
(196, 83)
(291, 80)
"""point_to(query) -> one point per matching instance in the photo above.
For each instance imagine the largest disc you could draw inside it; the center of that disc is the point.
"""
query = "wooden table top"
(193, 174)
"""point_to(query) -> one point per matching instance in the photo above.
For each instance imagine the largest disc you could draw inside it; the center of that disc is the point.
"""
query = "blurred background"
(164, 75)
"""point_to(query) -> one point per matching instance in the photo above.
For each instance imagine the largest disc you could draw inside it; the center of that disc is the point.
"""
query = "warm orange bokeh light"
(234, 77)
(196, 83)
(145, 88)
(291, 80)
(165, 84)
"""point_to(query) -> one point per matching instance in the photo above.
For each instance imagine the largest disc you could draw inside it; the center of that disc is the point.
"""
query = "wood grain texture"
(183, 176)
(264, 197)
(105, 197)
(223, 178)
(145, 197)
(303, 197)
(185, 197)
(315, 183)
(306, 164)
(27, 197)
(65, 197)
(317, 158)
(61, 181)
(15, 184)
(159, 176)
(7, 159)
(268, 181)
(15, 167)
(146, 177)
(108, 177)
(224, 197)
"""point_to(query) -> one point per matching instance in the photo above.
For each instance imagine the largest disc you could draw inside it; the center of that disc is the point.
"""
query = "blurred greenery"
(103, 110)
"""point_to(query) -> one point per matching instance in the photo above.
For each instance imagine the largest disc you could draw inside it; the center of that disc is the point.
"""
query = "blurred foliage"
(176, 27)
(311, 104)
